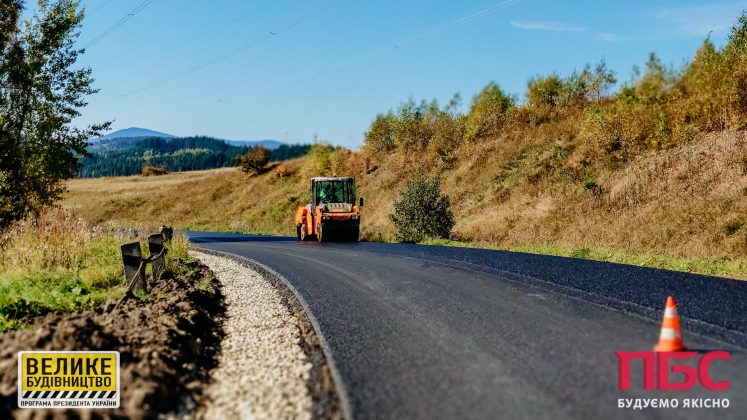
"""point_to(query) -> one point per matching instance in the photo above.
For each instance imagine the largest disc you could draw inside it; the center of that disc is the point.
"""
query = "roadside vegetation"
(650, 171)
(422, 212)
(51, 260)
(57, 262)
(254, 161)
(41, 91)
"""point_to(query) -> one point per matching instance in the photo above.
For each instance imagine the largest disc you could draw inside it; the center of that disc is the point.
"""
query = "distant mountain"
(128, 137)
(133, 132)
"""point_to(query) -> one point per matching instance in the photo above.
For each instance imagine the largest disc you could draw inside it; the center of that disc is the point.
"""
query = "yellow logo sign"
(68, 379)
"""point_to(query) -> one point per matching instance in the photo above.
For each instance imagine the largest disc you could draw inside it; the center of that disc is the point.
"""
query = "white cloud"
(547, 26)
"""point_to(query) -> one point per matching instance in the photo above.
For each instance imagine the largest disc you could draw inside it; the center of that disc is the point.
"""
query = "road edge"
(324, 367)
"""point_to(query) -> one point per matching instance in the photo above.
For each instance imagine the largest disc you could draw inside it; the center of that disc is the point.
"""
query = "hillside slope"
(686, 202)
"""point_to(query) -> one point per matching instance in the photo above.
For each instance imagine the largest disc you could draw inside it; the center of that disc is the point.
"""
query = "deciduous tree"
(41, 92)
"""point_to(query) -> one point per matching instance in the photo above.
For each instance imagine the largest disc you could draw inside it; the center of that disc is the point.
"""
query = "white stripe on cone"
(669, 334)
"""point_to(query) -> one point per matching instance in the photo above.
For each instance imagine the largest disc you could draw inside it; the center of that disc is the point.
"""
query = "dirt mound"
(167, 343)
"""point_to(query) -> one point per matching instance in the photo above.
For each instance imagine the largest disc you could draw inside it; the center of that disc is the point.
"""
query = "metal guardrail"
(135, 264)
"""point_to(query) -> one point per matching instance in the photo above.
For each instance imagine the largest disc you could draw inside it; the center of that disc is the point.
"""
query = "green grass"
(736, 269)
(204, 286)
(95, 278)
(36, 293)
(142, 295)
(58, 263)
(92, 276)
(9, 324)
(178, 252)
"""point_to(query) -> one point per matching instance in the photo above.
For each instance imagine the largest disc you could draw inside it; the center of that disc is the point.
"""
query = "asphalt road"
(440, 333)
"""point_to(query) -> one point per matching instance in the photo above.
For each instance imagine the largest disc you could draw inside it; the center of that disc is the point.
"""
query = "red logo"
(657, 367)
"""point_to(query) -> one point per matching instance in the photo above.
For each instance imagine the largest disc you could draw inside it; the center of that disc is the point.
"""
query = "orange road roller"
(332, 213)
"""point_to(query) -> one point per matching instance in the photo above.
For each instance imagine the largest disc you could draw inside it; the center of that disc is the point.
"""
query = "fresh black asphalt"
(438, 332)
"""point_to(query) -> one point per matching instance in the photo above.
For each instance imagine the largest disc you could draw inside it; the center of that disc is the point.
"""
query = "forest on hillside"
(174, 155)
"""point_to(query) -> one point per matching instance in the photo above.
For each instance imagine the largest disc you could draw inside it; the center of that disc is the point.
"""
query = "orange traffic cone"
(670, 338)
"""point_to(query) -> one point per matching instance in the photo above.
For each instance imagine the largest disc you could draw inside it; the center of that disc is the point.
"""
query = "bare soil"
(168, 343)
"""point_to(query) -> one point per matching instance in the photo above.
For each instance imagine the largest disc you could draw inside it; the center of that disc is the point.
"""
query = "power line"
(119, 23)
(205, 33)
(406, 41)
(101, 6)
(239, 48)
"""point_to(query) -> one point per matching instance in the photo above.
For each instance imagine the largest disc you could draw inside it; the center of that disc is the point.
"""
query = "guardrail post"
(133, 261)
(157, 253)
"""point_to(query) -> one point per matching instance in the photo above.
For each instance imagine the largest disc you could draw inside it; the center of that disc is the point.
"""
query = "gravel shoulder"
(270, 364)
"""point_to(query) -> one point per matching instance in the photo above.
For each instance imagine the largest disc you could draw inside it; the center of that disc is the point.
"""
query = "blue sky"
(298, 69)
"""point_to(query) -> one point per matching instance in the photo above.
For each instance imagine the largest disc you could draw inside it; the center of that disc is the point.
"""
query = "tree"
(488, 112)
(380, 138)
(650, 86)
(153, 170)
(578, 87)
(544, 91)
(414, 128)
(601, 81)
(737, 44)
(421, 211)
(254, 160)
(41, 92)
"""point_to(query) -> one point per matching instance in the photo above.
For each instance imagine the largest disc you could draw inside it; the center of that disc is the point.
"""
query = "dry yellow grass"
(221, 199)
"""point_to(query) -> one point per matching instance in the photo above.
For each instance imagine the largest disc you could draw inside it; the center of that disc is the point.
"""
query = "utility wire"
(119, 23)
(238, 49)
(101, 6)
(205, 33)
(459, 22)
(406, 41)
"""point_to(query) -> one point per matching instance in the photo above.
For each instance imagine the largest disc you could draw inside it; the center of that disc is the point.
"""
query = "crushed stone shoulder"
(266, 366)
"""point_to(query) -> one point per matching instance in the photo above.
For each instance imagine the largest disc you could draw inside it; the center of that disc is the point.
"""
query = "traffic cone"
(670, 338)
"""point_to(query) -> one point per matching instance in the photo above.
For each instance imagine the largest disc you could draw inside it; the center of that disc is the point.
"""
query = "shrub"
(447, 136)
(544, 91)
(254, 160)
(418, 127)
(732, 226)
(422, 212)
(650, 86)
(153, 170)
